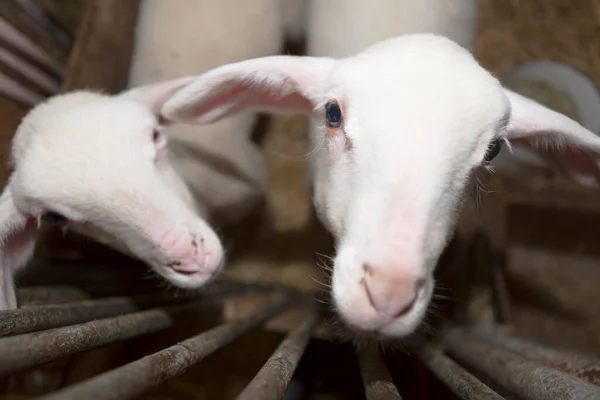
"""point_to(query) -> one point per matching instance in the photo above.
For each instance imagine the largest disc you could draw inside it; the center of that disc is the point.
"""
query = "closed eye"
(493, 150)
(158, 138)
(53, 218)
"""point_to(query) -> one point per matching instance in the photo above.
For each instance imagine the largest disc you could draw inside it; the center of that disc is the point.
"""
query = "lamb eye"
(53, 218)
(333, 115)
(155, 135)
(493, 150)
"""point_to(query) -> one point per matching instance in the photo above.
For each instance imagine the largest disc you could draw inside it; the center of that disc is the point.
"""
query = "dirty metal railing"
(474, 362)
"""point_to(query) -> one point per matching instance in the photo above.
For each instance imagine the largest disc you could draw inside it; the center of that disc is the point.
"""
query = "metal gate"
(475, 362)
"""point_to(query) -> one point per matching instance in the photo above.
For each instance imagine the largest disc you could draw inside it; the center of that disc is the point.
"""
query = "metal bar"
(41, 79)
(530, 380)
(35, 296)
(24, 320)
(459, 380)
(582, 366)
(22, 351)
(34, 13)
(19, 41)
(376, 378)
(139, 377)
(273, 378)
(14, 91)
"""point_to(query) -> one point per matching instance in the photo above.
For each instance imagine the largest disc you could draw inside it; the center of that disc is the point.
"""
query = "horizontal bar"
(23, 44)
(137, 378)
(455, 377)
(274, 377)
(376, 378)
(24, 320)
(34, 296)
(22, 351)
(14, 91)
(530, 380)
(30, 72)
(581, 365)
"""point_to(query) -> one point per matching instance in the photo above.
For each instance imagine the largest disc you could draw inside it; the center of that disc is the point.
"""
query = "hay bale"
(515, 31)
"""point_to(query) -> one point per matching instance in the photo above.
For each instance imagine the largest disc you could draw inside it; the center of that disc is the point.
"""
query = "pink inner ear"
(254, 97)
(162, 120)
(18, 246)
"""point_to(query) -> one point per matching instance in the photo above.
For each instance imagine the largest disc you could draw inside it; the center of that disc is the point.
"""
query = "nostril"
(406, 309)
(391, 298)
(419, 284)
(184, 269)
(368, 292)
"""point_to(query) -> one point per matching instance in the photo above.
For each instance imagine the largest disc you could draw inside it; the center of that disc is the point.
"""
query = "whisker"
(325, 285)
(305, 156)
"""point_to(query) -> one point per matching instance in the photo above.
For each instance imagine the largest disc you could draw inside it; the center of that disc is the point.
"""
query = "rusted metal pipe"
(455, 377)
(22, 351)
(19, 41)
(139, 377)
(33, 74)
(34, 14)
(376, 378)
(14, 91)
(530, 380)
(582, 366)
(273, 378)
(35, 296)
(24, 320)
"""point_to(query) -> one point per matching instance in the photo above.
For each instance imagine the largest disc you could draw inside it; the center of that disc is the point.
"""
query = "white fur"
(92, 159)
(419, 116)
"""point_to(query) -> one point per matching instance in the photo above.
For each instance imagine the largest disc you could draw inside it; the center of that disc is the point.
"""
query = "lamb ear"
(564, 144)
(154, 95)
(276, 84)
(17, 243)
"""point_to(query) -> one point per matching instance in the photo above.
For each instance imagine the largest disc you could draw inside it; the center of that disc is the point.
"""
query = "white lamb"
(399, 129)
(101, 165)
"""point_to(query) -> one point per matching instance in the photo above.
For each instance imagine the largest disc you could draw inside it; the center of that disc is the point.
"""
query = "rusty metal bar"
(22, 351)
(273, 378)
(376, 378)
(139, 377)
(460, 381)
(24, 320)
(41, 295)
(530, 380)
(16, 39)
(582, 366)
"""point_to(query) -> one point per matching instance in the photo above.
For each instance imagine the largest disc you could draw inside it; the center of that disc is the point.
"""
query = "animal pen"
(520, 318)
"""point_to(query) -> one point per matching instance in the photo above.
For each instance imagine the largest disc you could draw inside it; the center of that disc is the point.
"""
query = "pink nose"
(188, 254)
(391, 294)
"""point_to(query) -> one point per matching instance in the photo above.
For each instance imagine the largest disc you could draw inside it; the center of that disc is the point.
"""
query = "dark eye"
(155, 135)
(53, 218)
(493, 150)
(333, 115)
